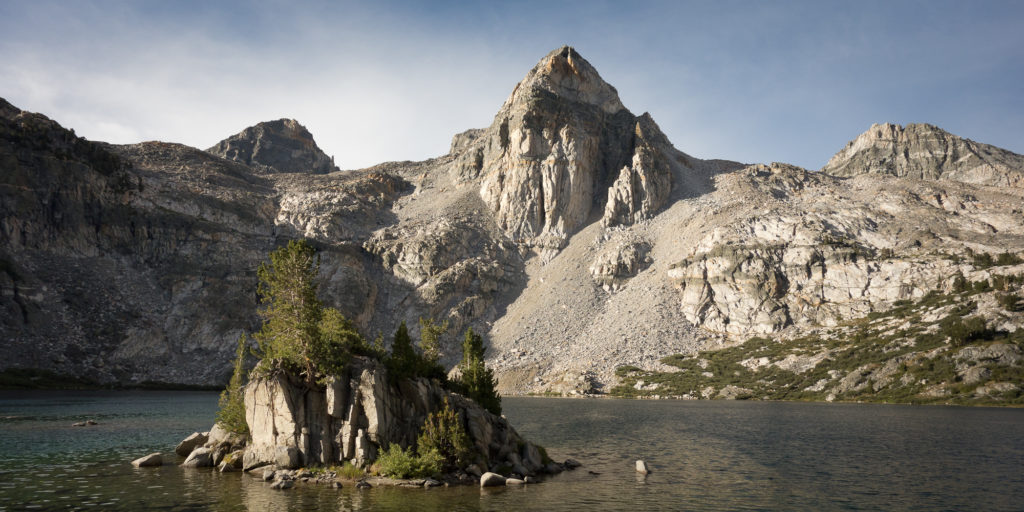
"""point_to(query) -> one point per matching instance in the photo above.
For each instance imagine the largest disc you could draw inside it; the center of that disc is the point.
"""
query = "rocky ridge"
(279, 146)
(569, 230)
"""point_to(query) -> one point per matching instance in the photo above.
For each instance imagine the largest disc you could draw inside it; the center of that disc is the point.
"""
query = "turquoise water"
(705, 456)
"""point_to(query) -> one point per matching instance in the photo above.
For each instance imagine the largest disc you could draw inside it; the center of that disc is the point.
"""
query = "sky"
(752, 81)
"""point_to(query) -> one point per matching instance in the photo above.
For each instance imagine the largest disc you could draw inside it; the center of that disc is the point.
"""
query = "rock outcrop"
(276, 147)
(554, 149)
(926, 152)
(360, 413)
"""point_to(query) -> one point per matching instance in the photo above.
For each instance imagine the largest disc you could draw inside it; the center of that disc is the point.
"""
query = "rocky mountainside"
(276, 146)
(570, 230)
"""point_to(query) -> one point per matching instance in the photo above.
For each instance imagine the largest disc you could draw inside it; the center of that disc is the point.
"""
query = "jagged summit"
(557, 147)
(924, 151)
(568, 76)
(281, 146)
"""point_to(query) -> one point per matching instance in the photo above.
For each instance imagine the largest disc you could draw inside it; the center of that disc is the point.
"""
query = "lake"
(715, 455)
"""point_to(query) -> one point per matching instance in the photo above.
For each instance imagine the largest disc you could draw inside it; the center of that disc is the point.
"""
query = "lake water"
(704, 455)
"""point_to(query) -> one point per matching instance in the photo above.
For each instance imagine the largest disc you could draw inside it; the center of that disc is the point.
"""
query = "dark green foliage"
(232, 400)
(291, 312)
(403, 361)
(1011, 302)
(299, 335)
(982, 286)
(960, 284)
(339, 339)
(430, 339)
(962, 332)
(1006, 258)
(398, 463)
(444, 434)
(477, 381)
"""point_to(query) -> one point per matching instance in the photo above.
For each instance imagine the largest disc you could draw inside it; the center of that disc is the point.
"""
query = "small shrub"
(1007, 258)
(961, 332)
(349, 471)
(398, 463)
(444, 435)
(1010, 302)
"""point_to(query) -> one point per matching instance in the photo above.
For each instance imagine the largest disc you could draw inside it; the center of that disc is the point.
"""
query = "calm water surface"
(705, 456)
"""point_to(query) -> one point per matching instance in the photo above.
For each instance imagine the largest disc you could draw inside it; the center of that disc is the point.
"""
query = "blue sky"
(742, 80)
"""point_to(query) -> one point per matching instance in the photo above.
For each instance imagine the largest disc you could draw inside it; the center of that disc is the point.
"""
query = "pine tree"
(430, 348)
(403, 361)
(430, 339)
(232, 400)
(477, 379)
(292, 312)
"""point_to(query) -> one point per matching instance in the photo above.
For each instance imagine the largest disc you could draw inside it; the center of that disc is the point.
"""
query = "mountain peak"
(280, 146)
(924, 151)
(566, 74)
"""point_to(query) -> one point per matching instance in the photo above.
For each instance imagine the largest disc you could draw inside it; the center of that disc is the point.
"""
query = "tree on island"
(232, 400)
(477, 381)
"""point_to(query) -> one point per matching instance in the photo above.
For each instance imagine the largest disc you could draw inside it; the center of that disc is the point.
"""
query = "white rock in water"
(491, 480)
(641, 467)
(190, 443)
(151, 460)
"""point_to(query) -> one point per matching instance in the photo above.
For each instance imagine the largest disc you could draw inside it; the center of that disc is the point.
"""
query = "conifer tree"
(292, 312)
(232, 400)
(477, 379)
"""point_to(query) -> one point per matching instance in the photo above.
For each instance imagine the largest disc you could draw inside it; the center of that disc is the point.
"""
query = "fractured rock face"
(642, 187)
(553, 150)
(280, 146)
(923, 151)
(357, 415)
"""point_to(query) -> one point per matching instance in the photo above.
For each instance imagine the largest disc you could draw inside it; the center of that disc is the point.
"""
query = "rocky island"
(593, 255)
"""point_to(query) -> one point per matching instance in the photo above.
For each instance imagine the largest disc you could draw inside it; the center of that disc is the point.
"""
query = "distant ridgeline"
(570, 233)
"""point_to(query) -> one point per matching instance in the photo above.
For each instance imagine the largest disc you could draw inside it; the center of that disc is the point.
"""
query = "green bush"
(444, 434)
(1010, 302)
(349, 471)
(398, 463)
(960, 331)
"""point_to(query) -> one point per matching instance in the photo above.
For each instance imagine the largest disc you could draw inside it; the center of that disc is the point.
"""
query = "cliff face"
(361, 413)
(569, 230)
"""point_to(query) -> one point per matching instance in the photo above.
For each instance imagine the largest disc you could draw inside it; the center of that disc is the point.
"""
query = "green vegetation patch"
(888, 356)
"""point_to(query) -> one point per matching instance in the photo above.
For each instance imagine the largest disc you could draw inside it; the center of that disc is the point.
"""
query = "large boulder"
(201, 457)
(491, 480)
(190, 443)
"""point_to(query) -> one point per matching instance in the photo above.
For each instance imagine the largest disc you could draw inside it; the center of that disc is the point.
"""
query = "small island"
(322, 403)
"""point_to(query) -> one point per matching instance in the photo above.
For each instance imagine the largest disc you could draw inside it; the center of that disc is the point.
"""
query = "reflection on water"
(704, 456)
